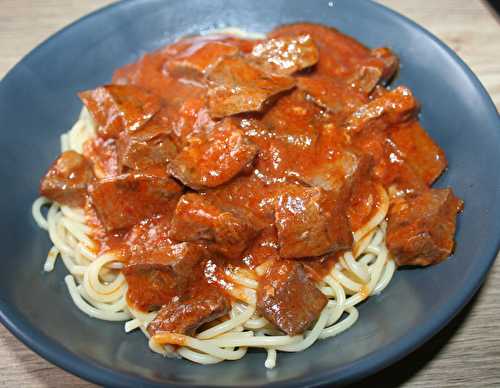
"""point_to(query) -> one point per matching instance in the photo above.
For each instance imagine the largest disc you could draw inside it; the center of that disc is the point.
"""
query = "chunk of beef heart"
(197, 220)
(339, 54)
(288, 299)
(187, 315)
(67, 179)
(378, 68)
(341, 172)
(116, 107)
(148, 148)
(311, 222)
(417, 148)
(421, 227)
(124, 200)
(213, 160)
(103, 155)
(285, 55)
(197, 59)
(237, 86)
(334, 95)
(159, 273)
(395, 107)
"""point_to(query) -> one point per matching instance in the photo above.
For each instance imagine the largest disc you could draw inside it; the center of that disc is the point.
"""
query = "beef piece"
(198, 59)
(339, 54)
(285, 55)
(103, 155)
(186, 316)
(124, 200)
(397, 106)
(418, 149)
(288, 299)
(67, 179)
(157, 274)
(339, 172)
(421, 227)
(148, 148)
(116, 107)
(213, 160)
(378, 68)
(311, 222)
(332, 94)
(237, 86)
(224, 231)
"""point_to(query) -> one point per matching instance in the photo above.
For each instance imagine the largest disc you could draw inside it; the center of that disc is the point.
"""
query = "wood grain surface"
(466, 353)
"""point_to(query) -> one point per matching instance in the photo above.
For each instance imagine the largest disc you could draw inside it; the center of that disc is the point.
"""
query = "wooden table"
(466, 353)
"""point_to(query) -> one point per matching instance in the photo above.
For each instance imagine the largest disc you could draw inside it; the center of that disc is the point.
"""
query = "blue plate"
(38, 102)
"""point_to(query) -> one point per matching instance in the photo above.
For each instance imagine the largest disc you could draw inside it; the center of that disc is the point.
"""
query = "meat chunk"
(339, 172)
(116, 107)
(421, 227)
(103, 155)
(311, 222)
(378, 68)
(332, 94)
(228, 232)
(124, 200)
(395, 107)
(213, 160)
(198, 59)
(236, 86)
(148, 149)
(417, 148)
(186, 316)
(288, 298)
(67, 179)
(159, 273)
(285, 55)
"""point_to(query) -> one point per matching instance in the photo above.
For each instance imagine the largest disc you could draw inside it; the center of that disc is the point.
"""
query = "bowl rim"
(91, 371)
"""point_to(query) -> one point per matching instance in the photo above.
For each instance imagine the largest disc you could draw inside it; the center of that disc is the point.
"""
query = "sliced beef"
(339, 54)
(149, 148)
(311, 222)
(285, 55)
(417, 148)
(187, 315)
(116, 107)
(67, 179)
(395, 107)
(225, 231)
(198, 59)
(332, 94)
(421, 227)
(215, 159)
(159, 273)
(378, 68)
(237, 86)
(288, 299)
(103, 155)
(124, 200)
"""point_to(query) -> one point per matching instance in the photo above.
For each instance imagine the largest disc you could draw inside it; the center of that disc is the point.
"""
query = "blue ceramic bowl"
(38, 102)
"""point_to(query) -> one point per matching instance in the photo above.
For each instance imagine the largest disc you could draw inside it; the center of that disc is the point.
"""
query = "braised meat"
(238, 86)
(116, 107)
(187, 315)
(421, 227)
(215, 159)
(67, 179)
(288, 299)
(196, 219)
(311, 223)
(285, 55)
(125, 200)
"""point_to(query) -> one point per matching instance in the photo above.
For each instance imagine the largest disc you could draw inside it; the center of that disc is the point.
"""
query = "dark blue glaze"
(38, 102)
